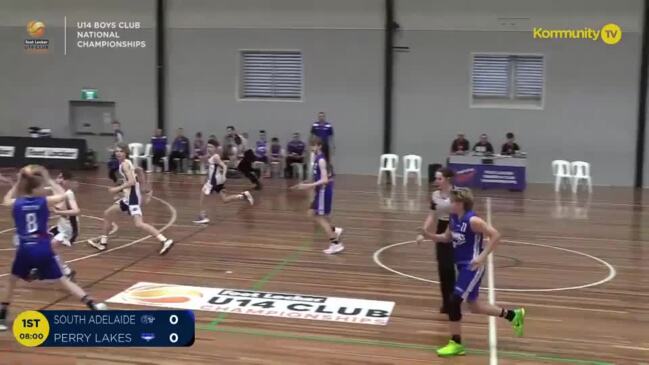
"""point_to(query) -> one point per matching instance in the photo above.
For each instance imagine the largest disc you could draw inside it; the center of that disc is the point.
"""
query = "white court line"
(493, 335)
(112, 231)
(611, 269)
(174, 216)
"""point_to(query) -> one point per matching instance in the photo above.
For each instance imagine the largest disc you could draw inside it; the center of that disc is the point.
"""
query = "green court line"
(516, 355)
(259, 284)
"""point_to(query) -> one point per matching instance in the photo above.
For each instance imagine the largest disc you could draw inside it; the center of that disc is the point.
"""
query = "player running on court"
(466, 232)
(30, 212)
(323, 184)
(130, 203)
(215, 182)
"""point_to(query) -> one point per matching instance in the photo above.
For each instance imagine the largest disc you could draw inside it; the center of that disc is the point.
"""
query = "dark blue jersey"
(31, 216)
(467, 244)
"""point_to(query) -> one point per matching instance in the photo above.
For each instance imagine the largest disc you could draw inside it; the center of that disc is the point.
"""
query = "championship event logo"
(162, 294)
(36, 29)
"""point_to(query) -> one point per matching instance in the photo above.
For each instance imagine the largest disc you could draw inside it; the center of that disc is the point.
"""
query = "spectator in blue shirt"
(261, 147)
(324, 130)
(179, 149)
(158, 148)
(294, 154)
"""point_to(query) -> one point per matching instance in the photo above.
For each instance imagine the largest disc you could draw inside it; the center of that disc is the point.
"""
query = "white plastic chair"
(580, 172)
(561, 170)
(389, 163)
(148, 154)
(165, 160)
(135, 152)
(411, 164)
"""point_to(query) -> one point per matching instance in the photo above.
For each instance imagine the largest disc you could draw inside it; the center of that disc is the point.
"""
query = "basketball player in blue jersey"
(130, 203)
(215, 182)
(465, 232)
(323, 184)
(30, 212)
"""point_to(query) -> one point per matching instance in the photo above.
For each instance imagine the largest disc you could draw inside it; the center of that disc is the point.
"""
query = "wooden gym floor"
(558, 260)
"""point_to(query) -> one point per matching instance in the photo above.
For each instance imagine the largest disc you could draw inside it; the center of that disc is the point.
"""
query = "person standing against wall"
(324, 130)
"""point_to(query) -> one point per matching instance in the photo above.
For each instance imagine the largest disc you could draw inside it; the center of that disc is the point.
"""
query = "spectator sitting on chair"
(510, 147)
(158, 149)
(294, 154)
(460, 145)
(483, 146)
(113, 165)
(179, 150)
(200, 150)
(261, 147)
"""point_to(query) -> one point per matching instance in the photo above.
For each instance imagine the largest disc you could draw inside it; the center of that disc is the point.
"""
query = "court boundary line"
(612, 271)
(493, 330)
(388, 344)
(112, 231)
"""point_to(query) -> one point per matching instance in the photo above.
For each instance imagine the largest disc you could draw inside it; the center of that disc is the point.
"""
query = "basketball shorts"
(467, 284)
(36, 255)
(211, 188)
(322, 201)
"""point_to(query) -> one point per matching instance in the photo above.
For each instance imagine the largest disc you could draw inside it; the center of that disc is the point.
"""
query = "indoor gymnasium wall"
(35, 88)
(342, 47)
(591, 88)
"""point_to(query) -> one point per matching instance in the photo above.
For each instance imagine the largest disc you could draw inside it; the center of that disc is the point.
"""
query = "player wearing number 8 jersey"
(30, 212)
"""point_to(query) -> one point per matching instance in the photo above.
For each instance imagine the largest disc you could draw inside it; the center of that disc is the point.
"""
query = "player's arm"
(441, 238)
(217, 161)
(478, 225)
(324, 179)
(5, 180)
(74, 207)
(10, 196)
(144, 182)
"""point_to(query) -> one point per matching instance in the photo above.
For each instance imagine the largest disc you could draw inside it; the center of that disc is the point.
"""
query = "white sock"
(103, 239)
(161, 237)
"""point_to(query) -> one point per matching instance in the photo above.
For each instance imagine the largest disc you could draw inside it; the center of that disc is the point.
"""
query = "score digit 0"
(173, 319)
(173, 338)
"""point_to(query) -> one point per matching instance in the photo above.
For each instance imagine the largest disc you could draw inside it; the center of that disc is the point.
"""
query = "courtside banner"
(52, 152)
(7, 151)
(257, 303)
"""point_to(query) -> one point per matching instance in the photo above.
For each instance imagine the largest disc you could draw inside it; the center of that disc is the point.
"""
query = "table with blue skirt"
(489, 172)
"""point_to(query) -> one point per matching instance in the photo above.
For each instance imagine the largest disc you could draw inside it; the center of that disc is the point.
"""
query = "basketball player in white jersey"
(67, 228)
(216, 182)
(130, 203)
